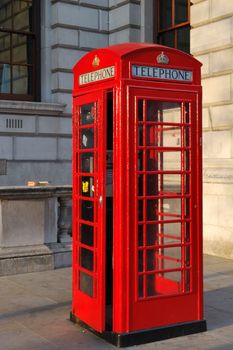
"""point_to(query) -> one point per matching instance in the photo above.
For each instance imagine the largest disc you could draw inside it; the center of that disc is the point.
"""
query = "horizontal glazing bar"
(164, 149)
(87, 126)
(91, 273)
(166, 196)
(163, 123)
(89, 223)
(82, 245)
(154, 272)
(158, 246)
(87, 150)
(164, 172)
(164, 221)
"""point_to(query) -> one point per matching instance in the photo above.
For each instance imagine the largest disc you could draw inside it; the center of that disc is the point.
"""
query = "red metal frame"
(171, 301)
(170, 294)
(96, 248)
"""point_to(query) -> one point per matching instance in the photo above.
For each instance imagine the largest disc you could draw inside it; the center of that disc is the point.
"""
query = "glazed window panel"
(163, 197)
(87, 162)
(87, 210)
(87, 235)
(86, 283)
(173, 18)
(88, 114)
(19, 42)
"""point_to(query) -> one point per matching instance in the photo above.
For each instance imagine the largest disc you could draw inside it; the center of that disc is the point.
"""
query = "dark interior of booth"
(109, 212)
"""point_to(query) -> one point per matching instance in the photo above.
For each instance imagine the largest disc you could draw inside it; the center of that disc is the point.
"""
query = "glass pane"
(158, 111)
(87, 186)
(140, 185)
(140, 135)
(4, 47)
(87, 210)
(152, 135)
(140, 286)
(173, 230)
(169, 258)
(171, 183)
(87, 259)
(167, 38)
(165, 14)
(87, 235)
(140, 260)
(163, 160)
(181, 11)
(87, 162)
(151, 233)
(22, 50)
(22, 80)
(140, 110)
(22, 11)
(5, 14)
(150, 259)
(187, 256)
(87, 138)
(88, 114)
(170, 136)
(170, 112)
(150, 285)
(170, 208)
(5, 81)
(152, 185)
(152, 108)
(187, 281)
(140, 235)
(140, 210)
(86, 283)
(140, 160)
(183, 39)
(152, 209)
(152, 160)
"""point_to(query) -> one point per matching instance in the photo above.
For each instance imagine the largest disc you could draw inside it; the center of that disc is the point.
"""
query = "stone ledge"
(218, 175)
(34, 108)
(34, 258)
(22, 192)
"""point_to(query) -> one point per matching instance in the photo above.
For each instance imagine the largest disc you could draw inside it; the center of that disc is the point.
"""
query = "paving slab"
(34, 313)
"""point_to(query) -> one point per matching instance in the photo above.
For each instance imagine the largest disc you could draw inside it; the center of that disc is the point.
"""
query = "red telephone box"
(137, 193)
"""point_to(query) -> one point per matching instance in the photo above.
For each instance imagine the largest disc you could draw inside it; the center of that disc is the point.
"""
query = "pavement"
(34, 313)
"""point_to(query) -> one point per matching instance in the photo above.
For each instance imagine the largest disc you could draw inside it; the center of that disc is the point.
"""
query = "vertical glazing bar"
(144, 194)
(183, 199)
(190, 162)
(161, 186)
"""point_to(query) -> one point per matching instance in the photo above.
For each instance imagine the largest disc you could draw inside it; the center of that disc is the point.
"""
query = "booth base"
(148, 335)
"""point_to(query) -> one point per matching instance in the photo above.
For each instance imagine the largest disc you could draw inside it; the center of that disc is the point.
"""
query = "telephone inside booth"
(137, 213)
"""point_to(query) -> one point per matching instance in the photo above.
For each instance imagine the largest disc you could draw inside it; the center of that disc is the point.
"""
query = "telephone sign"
(137, 194)
(161, 73)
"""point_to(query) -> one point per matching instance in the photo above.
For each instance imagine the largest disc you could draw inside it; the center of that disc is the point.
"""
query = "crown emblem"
(162, 58)
(96, 61)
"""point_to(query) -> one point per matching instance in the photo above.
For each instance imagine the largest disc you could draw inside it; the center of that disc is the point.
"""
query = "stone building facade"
(212, 44)
(35, 136)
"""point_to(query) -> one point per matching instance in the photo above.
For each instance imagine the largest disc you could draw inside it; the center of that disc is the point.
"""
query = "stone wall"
(80, 26)
(35, 143)
(36, 137)
(212, 44)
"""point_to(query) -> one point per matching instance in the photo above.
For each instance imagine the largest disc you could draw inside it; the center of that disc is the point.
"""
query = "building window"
(173, 22)
(19, 22)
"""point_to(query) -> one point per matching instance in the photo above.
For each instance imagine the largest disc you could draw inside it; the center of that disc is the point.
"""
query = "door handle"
(101, 200)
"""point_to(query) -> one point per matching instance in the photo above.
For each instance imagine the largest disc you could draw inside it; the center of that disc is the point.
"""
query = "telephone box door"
(89, 210)
(167, 225)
